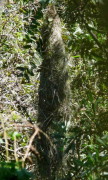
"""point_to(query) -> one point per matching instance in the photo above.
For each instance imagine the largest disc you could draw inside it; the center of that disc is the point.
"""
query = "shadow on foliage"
(13, 171)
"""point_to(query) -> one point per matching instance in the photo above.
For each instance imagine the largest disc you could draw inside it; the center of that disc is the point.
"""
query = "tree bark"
(52, 90)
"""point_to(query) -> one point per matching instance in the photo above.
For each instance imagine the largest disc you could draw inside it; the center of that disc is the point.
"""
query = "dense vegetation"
(54, 89)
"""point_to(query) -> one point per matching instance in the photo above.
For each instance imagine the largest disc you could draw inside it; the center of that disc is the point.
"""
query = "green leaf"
(76, 56)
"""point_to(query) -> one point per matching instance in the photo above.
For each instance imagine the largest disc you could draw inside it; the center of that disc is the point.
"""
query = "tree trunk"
(52, 90)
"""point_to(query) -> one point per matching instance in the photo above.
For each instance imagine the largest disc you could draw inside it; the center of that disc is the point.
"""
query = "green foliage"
(12, 170)
(82, 138)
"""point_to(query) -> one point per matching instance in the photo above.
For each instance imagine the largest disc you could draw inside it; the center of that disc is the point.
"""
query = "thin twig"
(30, 144)
(6, 140)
